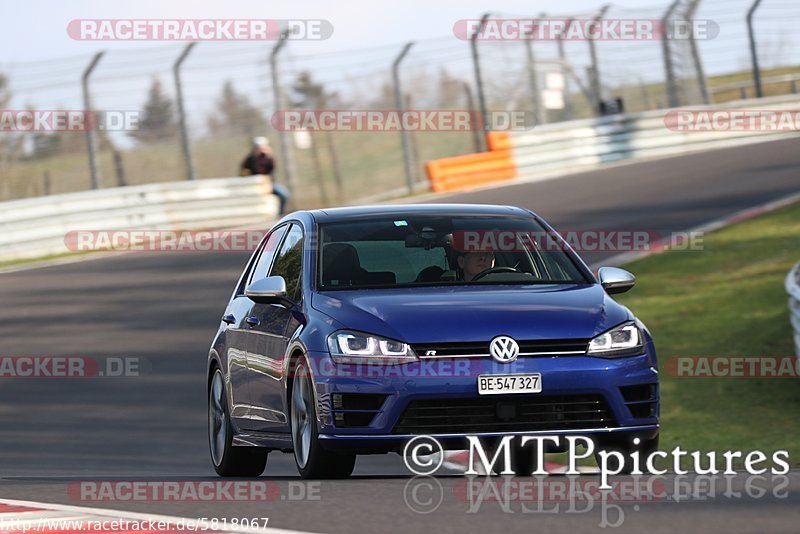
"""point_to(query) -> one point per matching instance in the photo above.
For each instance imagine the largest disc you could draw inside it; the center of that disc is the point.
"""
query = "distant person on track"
(260, 161)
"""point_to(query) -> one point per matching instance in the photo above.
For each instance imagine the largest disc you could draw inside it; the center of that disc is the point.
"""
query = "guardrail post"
(594, 82)
(702, 81)
(793, 289)
(476, 63)
(476, 134)
(753, 49)
(533, 76)
(91, 134)
(187, 150)
(672, 87)
(400, 105)
(283, 136)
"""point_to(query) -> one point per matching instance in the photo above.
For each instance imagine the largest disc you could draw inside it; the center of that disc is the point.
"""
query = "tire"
(311, 459)
(626, 448)
(229, 461)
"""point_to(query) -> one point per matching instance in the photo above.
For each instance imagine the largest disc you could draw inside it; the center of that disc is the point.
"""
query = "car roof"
(356, 212)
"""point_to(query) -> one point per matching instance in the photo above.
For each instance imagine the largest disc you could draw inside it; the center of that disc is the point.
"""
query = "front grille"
(641, 400)
(547, 347)
(512, 413)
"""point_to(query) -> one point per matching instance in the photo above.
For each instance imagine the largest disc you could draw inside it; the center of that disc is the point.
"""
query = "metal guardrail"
(556, 149)
(622, 137)
(37, 227)
(793, 289)
(792, 79)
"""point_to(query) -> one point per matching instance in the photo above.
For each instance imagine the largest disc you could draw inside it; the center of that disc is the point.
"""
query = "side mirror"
(269, 290)
(616, 280)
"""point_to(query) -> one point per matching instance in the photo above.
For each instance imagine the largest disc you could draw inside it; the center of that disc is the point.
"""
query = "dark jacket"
(261, 164)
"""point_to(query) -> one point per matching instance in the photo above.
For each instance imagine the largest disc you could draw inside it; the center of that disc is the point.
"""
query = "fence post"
(569, 112)
(702, 81)
(476, 63)
(187, 150)
(594, 82)
(672, 88)
(753, 49)
(400, 105)
(119, 168)
(283, 136)
(533, 77)
(476, 134)
(793, 289)
(91, 134)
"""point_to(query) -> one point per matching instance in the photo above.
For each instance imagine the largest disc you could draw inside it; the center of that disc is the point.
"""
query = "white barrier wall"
(793, 289)
(37, 227)
(590, 143)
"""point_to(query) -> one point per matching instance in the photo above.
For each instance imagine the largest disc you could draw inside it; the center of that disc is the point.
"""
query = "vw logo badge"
(504, 349)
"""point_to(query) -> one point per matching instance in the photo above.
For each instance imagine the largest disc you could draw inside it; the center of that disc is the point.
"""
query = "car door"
(237, 333)
(269, 338)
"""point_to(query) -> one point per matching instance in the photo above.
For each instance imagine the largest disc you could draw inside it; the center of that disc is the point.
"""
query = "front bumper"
(455, 379)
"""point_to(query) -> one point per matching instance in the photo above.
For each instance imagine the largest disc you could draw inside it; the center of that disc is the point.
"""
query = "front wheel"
(229, 461)
(311, 459)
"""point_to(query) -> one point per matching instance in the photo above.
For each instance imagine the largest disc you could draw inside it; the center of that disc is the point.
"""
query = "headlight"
(356, 347)
(624, 340)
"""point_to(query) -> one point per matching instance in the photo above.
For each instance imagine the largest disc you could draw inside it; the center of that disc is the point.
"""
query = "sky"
(44, 63)
(36, 29)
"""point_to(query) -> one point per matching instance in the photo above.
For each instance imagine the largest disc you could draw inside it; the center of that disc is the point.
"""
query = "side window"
(289, 262)
(267, 253)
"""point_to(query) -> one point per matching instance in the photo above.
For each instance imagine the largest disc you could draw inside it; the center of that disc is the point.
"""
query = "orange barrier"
(472, 170)
(499, 140)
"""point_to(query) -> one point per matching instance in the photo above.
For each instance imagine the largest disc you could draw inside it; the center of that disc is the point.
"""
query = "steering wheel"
(494, 270)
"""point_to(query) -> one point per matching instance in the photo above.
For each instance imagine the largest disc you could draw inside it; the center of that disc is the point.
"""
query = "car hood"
(469, 313)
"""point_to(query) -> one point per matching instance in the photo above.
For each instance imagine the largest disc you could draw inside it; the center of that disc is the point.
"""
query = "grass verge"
(726, 300)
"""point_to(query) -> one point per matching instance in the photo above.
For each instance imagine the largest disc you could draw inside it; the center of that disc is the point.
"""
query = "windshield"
(399, 251)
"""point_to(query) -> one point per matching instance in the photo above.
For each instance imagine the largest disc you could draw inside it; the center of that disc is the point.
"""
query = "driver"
(472, 263)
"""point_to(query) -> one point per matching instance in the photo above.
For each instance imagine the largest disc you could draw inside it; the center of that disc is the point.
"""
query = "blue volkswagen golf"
(352, 330)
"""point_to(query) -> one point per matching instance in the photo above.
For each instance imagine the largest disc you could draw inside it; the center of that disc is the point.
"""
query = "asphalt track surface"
(164, 308)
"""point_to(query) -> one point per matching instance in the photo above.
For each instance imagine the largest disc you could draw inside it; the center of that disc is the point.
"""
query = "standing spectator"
(260, 161)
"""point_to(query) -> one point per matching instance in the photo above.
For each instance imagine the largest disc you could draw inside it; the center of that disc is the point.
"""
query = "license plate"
(509, 384)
